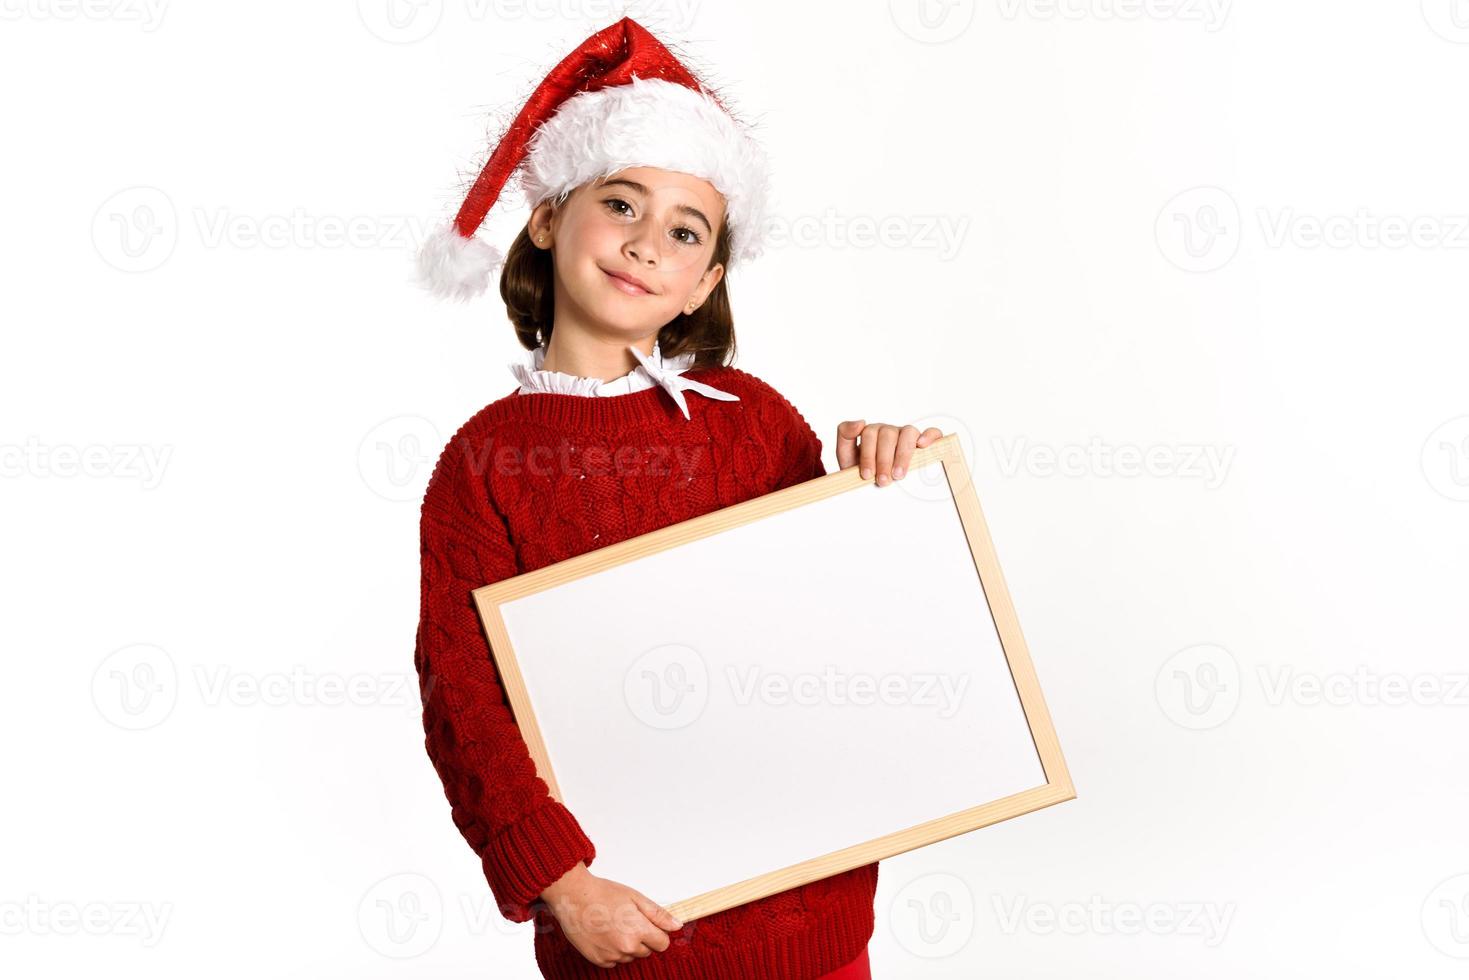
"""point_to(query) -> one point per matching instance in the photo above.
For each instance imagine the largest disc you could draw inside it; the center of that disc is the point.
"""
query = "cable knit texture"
(534, 479)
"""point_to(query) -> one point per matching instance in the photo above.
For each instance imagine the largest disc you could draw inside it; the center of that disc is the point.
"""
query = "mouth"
(628, 284)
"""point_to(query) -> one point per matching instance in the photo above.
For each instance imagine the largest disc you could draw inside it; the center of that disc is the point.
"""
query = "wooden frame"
(945, 452)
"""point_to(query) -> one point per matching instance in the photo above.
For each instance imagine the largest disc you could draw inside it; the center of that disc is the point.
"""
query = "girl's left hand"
(880, 448)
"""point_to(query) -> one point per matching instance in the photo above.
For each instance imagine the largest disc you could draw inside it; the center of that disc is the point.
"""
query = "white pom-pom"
(455, 267)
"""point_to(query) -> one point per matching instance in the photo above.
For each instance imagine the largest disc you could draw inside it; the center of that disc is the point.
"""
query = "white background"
(1220, 642)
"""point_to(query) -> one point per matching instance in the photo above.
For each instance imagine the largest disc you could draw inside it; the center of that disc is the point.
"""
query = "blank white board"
(778, 691)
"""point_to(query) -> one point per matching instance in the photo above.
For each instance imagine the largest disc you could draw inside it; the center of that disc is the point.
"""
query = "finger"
(847, 433)
(908, 437)
(930, 435)
(887, 444)
(659, 916)
(867, 449)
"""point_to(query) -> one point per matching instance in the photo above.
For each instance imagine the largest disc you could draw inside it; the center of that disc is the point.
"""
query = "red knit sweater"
(537, 478)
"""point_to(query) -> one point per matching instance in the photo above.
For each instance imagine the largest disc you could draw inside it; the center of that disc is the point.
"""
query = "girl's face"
(640, 225)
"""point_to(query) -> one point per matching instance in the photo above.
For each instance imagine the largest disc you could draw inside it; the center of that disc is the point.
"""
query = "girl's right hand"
(608, 922)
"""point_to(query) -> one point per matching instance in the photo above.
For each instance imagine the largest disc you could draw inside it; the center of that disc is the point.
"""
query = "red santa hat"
(620, 100)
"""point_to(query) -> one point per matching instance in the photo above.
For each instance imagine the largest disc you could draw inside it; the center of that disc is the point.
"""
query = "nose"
(641, 243)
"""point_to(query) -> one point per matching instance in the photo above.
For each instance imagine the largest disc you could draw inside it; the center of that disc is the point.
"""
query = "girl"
(626, 419)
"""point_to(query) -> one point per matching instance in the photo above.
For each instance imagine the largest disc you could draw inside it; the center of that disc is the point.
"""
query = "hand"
(608, 923)
(884, 449)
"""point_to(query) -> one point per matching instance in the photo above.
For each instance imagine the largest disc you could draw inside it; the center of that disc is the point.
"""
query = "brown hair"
(526, 285)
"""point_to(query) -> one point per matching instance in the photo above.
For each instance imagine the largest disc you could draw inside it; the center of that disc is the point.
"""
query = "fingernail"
(866, 473)
(898, 472)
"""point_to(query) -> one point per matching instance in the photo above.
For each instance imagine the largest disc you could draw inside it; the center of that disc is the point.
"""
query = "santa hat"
(620, 100)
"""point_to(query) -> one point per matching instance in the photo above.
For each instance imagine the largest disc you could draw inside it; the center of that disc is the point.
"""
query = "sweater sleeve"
(801, 455)
(524, 838)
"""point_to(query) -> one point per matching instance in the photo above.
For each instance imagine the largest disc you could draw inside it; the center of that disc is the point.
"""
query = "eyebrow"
(692, 212)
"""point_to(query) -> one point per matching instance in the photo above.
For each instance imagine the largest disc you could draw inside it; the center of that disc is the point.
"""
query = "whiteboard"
(780, 690)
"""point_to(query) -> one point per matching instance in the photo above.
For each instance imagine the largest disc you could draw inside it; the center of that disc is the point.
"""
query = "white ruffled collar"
(651, 370)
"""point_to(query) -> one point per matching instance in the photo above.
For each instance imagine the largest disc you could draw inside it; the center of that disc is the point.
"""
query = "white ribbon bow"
(673, 383)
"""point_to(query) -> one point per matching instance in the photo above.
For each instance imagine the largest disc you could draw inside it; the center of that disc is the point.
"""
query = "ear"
(709, 280)
(538, 225)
